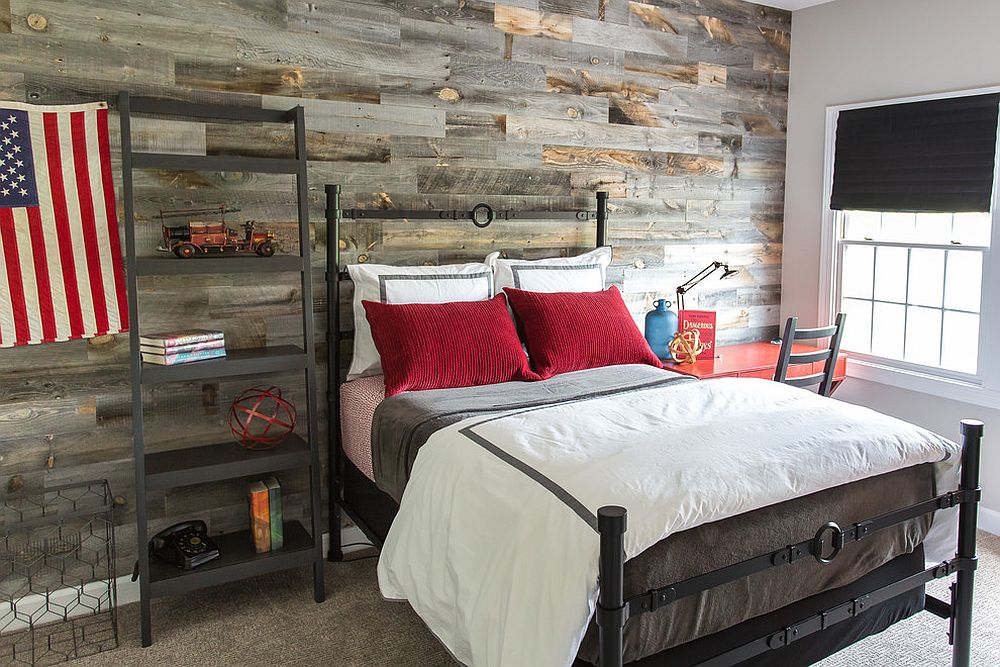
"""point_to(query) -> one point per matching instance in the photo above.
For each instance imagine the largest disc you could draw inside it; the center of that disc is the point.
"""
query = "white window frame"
(983, 388)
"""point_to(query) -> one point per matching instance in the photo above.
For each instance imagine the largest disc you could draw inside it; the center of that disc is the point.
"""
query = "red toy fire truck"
(193, 237)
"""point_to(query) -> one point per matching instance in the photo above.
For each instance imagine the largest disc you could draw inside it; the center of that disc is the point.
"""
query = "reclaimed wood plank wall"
(677, 107)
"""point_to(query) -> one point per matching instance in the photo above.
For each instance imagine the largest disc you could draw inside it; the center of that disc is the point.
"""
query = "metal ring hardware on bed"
(373, 511)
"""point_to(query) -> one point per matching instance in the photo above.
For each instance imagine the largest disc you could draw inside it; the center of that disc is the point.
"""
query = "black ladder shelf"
(224, 460)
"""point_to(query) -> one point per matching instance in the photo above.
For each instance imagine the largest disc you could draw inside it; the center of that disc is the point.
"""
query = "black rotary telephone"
(185, 545)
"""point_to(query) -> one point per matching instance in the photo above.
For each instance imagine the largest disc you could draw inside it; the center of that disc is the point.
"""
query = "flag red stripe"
(103, 147)
(65, 240)
(42, 274)
(22, 333)
(78, 129)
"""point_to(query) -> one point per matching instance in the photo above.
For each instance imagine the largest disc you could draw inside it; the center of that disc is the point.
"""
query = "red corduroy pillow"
(442, 345)
(571, 331)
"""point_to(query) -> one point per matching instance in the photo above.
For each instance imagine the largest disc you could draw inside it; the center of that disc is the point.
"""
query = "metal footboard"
(613, 610)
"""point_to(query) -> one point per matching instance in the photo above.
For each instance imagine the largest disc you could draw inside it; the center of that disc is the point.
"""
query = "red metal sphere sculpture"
(260, 418)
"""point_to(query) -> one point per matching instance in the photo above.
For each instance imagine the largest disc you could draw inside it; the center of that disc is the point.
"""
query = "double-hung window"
(913, 210)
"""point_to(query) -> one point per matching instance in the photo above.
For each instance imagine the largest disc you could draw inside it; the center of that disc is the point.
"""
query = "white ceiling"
(791, 4)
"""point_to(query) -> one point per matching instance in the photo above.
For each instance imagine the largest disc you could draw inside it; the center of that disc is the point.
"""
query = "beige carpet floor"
(272, 621)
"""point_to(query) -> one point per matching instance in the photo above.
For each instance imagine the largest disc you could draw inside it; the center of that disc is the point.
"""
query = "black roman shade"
(935, 156)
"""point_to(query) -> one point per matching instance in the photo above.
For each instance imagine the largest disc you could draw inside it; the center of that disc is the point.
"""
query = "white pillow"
(583, 273)
(408, 284)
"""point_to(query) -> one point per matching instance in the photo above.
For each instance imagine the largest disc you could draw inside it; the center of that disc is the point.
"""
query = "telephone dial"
(185, 545)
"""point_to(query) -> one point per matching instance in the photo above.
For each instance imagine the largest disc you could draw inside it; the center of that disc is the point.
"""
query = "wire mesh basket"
(58, 600)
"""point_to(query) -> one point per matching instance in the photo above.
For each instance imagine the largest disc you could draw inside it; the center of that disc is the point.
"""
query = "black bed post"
(602, 219)
(972, 437)
(335, 553)
(611, 525)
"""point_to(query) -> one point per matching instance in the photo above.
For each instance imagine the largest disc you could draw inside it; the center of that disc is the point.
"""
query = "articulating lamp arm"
(694, 280)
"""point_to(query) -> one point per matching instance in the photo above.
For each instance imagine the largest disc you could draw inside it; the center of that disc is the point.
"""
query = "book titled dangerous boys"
(704, 322)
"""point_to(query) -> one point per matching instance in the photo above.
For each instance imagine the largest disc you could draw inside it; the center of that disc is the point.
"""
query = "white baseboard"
(989, 520)
(128, 590)
(30, 605)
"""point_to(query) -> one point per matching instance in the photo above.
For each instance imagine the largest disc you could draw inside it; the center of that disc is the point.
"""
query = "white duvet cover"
(495, 544)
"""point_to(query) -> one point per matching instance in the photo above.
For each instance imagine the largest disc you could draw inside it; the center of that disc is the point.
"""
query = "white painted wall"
(861, 50)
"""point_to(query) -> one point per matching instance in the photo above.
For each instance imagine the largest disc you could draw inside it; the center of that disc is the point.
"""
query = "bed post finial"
(961, 597)
(611, 612)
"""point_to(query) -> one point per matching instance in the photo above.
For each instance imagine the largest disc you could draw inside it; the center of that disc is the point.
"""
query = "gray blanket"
(403, 423)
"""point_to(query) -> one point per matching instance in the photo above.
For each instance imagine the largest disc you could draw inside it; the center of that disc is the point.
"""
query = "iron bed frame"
(613, 609)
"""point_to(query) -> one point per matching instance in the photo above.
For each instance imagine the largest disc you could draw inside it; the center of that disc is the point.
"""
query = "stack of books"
(182, 347)
(265, 515)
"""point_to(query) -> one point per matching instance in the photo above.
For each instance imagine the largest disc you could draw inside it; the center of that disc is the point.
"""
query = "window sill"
(926, 383)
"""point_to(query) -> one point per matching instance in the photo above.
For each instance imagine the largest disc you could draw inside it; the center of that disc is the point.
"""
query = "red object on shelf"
(704, 322)
(754, 360)
(260, 418)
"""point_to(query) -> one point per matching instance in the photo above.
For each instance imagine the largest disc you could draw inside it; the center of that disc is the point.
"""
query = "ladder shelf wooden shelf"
(216, 462)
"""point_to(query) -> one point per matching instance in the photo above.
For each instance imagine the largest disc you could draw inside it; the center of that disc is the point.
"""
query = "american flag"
(61, 275)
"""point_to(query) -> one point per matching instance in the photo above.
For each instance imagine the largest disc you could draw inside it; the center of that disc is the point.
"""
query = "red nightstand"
(754, 360)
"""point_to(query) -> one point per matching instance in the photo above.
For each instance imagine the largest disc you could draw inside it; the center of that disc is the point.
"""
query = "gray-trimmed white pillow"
(408, 284)
(583, 273)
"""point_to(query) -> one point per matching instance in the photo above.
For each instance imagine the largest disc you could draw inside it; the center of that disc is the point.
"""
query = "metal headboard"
(482, 216)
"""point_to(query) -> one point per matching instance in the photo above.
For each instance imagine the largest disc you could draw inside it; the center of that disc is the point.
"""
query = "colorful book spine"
(177, 349)
(183, 357)
(175, 338)
(260, 517)
(274, 505)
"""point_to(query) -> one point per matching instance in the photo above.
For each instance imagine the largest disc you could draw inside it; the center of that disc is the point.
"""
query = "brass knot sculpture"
(686, 346)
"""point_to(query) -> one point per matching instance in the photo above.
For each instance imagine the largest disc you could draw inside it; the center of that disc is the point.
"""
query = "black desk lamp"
(701, 275)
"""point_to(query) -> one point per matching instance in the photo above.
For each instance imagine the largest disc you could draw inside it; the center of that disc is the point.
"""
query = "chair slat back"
(787, 358)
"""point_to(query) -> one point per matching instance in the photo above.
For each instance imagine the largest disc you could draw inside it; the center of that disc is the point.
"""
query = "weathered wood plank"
(278, 141)
(12, 86)
(556, 53)
(101, 25)
(46, 417)
(668, 164)
(754, 124)
(42, 55)
(497, 73)
(585, 134)
(665, 68)
(445, 152)
(50, 89)
(651, 16)
(586, 31)
(348, 20)
(463, 37)
(312, 50)
(154, 135)
(487, 126)
(600, 84)
(492, 181)
(337, 116)
(268, 79)
(452, 12)
(484, 99)
(527, 22)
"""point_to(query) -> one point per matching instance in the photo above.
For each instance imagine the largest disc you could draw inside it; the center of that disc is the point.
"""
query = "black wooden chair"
(788, 358)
